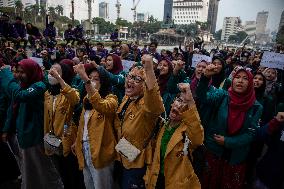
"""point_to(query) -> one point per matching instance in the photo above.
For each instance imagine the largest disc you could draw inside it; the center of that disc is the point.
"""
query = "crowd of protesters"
(80, 120)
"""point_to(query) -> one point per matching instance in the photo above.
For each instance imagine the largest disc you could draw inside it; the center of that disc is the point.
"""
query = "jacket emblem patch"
(131, 116)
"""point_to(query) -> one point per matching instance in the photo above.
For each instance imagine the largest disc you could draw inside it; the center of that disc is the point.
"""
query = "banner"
(272, 60)
(127, 64)
(196, 58)
(37, 60)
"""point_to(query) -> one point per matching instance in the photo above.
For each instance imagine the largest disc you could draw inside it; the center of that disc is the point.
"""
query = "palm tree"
(52, 12)
(27, 14)
(89, 2)
(19, 7)
(35, 11)
(59, 9)
(42, 12)
(151, 19)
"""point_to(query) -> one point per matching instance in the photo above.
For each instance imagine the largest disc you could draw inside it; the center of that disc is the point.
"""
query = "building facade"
(168, 7)
(261, 21)
(140, 17)
(281, 21)
(28, 3)
(7, 3)
(231, 26)
(104, 10)
(250, 28)
(190, 11)
(212, 15)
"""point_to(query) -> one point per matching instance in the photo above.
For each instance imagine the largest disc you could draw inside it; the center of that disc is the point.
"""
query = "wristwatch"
(87, 82)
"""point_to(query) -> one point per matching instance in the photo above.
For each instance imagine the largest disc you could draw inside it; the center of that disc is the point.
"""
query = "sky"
(245, 9)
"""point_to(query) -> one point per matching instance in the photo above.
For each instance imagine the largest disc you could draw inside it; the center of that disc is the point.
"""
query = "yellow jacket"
(178, 170)
(139, 120)
(100, 131)
(64, 107)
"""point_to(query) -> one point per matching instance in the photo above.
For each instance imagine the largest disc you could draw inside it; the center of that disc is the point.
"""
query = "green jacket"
(117, 81)
(236, 146)
(268, 108)
(4, 106)
(29, 121)
(172, 89)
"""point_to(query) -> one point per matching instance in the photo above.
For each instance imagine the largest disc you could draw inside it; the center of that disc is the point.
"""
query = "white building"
(261, 21)
(28, 3)
(231, 26)
(7, 3)
(281, 21)
(190, 11)
(250, 28)
(142, 17)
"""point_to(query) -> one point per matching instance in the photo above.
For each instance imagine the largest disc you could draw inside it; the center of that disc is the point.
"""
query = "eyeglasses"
(181, 103)
(135, 78)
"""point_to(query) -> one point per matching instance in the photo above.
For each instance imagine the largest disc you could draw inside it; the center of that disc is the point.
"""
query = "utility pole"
(89, 2)
(72, 13)
(118, 5)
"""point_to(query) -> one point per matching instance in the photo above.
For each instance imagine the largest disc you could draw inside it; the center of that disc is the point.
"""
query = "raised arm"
(70, 93)
(152, 98)
(212, 96)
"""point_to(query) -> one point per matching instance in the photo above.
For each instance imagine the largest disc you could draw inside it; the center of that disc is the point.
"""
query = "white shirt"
(86, 120)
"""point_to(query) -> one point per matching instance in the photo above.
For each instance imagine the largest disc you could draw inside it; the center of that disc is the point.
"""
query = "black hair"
(66, 73)
(259, 92)
(105, 88)
(62, 45)
(28, 23)
(154, 43)
(218, 78)
(19, 18)
(99, 43)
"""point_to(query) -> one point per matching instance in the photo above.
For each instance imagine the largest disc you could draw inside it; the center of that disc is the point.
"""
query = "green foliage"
(280, 36)
(217, 34)
(238, 38)
(59, 10)
(123, 23)
(137, 28)
(36, 14)
(104, 26)
(187, 29)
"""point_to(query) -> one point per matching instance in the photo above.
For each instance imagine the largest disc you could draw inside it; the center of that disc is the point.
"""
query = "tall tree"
(28, 14)
(19, 7)
(59, 9)
(52, 12)
(42, 12)
(217, 35)
(34, 11)
(123, 23)
(280, 36)
(238, 37)
(104, 27)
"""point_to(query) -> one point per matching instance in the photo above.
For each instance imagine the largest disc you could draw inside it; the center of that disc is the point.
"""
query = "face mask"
(93, 84)
(52, 80)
